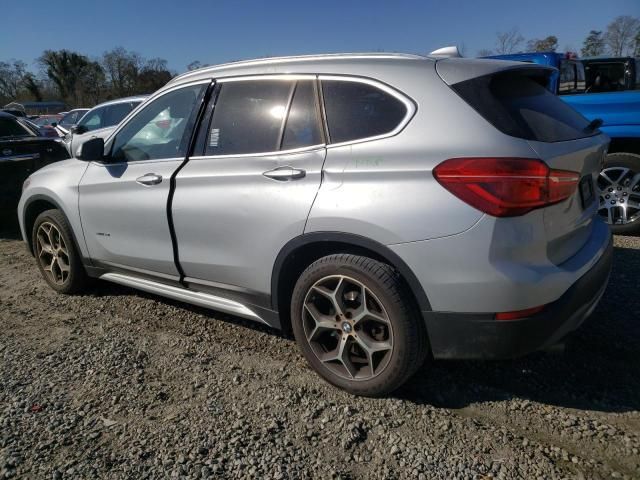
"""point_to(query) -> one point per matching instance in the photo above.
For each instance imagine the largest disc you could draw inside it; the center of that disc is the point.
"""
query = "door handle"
(285, 173)
(149, 179)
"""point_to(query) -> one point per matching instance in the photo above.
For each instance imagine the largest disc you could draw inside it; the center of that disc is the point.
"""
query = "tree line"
(80, 81)
(621, 37)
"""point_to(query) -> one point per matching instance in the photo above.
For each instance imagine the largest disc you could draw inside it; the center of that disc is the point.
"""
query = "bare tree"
(484, 52)
(122, 69)
(11, 75)
(508, 42)
(593, 45)
(621, 33)
(548, 44)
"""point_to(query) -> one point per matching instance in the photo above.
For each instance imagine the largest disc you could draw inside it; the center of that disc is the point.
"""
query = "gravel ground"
(120, 384)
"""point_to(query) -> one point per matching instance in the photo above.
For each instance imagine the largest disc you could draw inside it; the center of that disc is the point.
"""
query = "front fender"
(56, 185)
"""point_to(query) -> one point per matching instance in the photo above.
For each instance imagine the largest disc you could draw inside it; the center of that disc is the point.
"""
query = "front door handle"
(149, 179)
(285, 173)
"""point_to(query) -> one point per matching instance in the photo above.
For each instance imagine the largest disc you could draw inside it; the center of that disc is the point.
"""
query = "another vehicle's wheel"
(619, 193)
(357, 325)
(56, 254)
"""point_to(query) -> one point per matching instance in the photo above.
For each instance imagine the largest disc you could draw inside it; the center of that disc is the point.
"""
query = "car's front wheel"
(619, 192)
(357, 325)
(56, 254)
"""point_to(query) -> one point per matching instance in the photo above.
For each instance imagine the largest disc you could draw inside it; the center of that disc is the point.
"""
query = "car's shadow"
(9, 228)
(598, 370)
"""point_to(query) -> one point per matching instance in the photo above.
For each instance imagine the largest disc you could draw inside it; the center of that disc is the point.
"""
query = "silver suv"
(385, 208)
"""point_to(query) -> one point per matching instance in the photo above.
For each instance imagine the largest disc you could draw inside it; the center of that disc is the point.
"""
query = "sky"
(182, 31)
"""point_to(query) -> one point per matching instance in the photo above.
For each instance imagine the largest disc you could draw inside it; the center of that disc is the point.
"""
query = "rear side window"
(518, 104)
(248, 117)
(358, 110)
(11, 128)
(571, 77)
(303, 122)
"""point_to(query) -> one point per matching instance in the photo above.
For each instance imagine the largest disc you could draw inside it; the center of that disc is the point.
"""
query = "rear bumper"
(469, 335)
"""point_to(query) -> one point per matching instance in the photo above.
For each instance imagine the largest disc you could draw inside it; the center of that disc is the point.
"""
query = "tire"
(613, 165)
(389, 323)
(51, 237)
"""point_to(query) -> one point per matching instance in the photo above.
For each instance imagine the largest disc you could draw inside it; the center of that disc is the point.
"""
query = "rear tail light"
(505, 187)
(515, 315)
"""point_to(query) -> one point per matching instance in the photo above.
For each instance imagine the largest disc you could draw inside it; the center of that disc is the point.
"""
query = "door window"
(161, 129)
(303, 122)
(93, 119)
(248, 117)
(357, 110)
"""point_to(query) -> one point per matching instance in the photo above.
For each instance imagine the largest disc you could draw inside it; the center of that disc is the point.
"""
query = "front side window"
(357, 110)
(248, 117)
(160, 129)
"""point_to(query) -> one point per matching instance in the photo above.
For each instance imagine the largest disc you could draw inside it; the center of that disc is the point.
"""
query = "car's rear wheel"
(619, 193)
(357, 325)
(56, 254)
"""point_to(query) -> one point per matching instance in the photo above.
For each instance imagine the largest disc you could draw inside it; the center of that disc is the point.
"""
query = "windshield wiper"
(593, 125)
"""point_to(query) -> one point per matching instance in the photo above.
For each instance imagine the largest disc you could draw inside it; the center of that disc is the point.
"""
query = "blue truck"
(608, 89)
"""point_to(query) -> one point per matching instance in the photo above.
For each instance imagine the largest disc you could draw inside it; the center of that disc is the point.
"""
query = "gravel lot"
(120, 384)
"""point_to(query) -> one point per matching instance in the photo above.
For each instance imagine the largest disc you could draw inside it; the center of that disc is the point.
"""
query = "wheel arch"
(625, 145)
(34, 207)
(301, 251)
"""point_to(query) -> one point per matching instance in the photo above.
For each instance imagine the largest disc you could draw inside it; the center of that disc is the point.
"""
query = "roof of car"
(296, 61)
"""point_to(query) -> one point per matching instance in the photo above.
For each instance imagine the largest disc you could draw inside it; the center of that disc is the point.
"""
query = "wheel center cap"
(346, 327)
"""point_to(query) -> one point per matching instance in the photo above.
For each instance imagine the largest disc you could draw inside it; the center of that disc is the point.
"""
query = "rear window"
(518, 104)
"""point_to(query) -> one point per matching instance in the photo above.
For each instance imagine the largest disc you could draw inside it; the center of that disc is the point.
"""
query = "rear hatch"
(512, 97)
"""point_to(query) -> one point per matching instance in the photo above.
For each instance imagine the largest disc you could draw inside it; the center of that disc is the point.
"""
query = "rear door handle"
(285, 173)
(149, 179)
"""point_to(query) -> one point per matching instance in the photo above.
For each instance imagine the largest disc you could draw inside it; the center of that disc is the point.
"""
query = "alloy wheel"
(347, 327)
(619, 194)
(52, 253)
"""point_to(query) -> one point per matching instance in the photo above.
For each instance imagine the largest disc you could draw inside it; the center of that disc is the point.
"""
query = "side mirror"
(91, 150)
(78, 129)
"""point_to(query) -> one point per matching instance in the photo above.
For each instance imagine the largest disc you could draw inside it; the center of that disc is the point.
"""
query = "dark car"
(23, 150)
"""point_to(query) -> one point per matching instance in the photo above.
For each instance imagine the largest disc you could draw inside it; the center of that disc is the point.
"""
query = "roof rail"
(270, 60)
(447, 52)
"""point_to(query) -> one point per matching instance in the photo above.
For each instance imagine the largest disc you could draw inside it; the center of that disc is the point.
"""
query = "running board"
(183, 295)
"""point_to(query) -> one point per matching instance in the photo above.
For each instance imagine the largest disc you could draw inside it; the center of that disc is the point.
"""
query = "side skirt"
(181, 294)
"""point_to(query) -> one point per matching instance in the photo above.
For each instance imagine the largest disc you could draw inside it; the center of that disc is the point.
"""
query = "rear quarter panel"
(384, 189)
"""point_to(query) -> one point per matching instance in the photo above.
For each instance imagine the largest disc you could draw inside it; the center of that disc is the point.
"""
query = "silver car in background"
(383, 207)
(100, 120)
